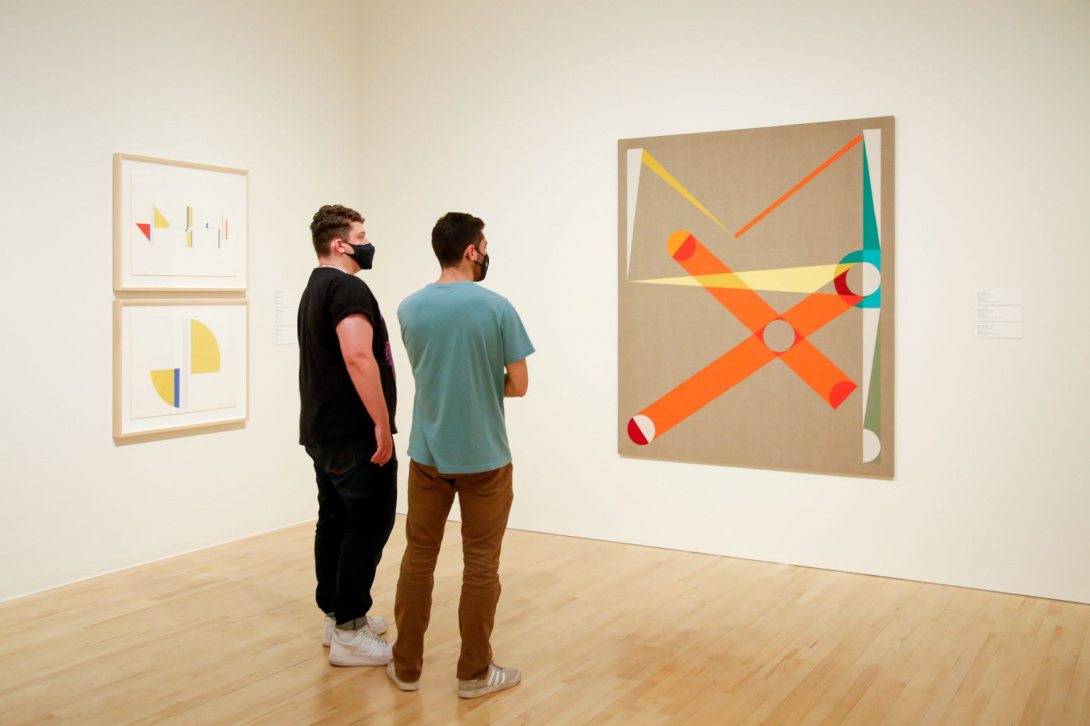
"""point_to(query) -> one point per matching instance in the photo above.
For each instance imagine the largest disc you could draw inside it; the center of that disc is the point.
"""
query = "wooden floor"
(604, 634)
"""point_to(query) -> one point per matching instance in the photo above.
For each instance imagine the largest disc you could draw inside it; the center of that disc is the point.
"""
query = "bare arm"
(356, 334)
(516, 379)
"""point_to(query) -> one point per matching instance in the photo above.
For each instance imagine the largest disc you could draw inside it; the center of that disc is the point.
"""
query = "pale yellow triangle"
(160, 220)
(791, 279)
(721, 280)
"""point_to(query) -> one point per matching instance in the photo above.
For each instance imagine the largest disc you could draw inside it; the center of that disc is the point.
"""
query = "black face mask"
(483, 266)
(363, 255)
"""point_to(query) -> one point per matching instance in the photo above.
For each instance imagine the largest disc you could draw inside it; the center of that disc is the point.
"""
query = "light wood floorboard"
(604, 633)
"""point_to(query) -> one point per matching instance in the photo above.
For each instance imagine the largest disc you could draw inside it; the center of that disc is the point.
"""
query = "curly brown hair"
(329, 223)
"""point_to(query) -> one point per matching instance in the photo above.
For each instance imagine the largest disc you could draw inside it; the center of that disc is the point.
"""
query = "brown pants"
(485, 499)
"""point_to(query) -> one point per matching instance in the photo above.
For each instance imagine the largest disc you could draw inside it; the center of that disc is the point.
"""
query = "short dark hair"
(330, 222)
(452, 234)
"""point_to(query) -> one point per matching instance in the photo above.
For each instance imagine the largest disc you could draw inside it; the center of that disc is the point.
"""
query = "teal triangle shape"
(870, 221)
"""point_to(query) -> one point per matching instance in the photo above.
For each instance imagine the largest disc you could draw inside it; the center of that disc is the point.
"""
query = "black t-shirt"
(331, 407)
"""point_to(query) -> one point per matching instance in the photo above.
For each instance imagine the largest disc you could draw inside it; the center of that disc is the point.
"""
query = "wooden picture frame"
(180, 365)
(179, 226)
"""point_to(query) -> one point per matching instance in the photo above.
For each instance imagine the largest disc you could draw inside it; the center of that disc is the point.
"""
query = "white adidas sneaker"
(498, 679)
(377, 625)
(359, 648)
(403, 685)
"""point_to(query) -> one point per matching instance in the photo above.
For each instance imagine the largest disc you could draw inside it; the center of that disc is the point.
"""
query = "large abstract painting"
(756, 273)
(179, 226)
(179, 364)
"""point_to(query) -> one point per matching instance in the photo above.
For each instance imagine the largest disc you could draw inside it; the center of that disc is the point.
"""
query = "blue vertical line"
(177, 387)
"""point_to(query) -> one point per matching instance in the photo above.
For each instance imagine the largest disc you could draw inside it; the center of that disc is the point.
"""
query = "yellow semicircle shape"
(204, 350)
(163, 381)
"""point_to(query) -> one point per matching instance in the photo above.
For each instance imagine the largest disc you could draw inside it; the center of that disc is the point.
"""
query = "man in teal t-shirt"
(468, 350)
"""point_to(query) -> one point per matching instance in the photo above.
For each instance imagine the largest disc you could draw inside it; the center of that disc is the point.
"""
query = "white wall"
(512, 111)
(273, 87)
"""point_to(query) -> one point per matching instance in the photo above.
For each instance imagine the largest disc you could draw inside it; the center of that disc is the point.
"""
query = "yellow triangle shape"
(653, 164)
(793, 279)
(160, 221)
(789, 279)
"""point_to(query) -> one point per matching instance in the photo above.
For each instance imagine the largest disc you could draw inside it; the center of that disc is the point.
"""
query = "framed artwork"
(179, 364)
(756, 298)
(179, 226)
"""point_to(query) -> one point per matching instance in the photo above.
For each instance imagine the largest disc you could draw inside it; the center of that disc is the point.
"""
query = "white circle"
(779, 336)
(872, 446)
(872, 279)
(646, 426)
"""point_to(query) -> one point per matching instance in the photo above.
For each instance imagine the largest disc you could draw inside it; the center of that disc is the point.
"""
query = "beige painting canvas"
(755, 298)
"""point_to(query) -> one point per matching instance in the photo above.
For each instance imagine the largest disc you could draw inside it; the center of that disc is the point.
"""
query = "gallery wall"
(513, 111)
(272, 87)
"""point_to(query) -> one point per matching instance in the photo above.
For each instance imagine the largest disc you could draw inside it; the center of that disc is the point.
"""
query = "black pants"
(356, 501)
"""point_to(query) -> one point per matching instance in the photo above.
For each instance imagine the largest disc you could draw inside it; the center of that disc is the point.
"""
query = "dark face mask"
(483, 266)
(363, 255)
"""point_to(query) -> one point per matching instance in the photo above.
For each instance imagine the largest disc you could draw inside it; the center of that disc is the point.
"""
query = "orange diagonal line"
(819, 372)
(709, 383)
(818, 310)
(746, 305)
(800, 185)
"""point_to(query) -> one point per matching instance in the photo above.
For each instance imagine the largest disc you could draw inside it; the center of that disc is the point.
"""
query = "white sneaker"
(403, 685)
(359, 648)
(498, 679)
(376, 624)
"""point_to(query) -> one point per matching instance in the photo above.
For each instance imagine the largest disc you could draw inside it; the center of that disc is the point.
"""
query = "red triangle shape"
(146, 229)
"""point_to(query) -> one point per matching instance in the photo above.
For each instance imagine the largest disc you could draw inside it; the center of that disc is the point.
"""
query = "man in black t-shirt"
(348, 397)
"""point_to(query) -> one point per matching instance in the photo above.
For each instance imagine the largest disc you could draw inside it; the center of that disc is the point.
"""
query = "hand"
(385, 441)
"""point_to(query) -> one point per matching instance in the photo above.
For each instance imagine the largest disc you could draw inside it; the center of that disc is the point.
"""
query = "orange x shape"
(752, 354)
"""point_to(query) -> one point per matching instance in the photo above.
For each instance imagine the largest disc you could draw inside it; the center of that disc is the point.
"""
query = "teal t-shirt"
(459, 337)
